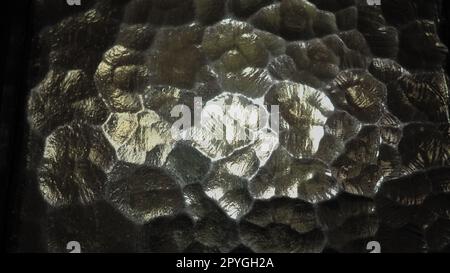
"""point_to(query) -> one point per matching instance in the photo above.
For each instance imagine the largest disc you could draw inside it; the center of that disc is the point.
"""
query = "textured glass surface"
(362, 152)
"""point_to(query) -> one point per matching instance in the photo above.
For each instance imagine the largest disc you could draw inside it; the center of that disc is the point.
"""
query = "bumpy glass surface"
(362, 154)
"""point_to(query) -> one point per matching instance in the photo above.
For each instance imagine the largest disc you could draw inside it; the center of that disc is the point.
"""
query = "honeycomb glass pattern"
(362, 152)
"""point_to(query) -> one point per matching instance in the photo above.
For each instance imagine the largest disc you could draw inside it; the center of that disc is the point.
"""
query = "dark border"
(16, 36)
(444, 30)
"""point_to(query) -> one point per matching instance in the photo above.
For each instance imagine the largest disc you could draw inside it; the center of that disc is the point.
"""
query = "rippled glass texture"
(362, 152)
